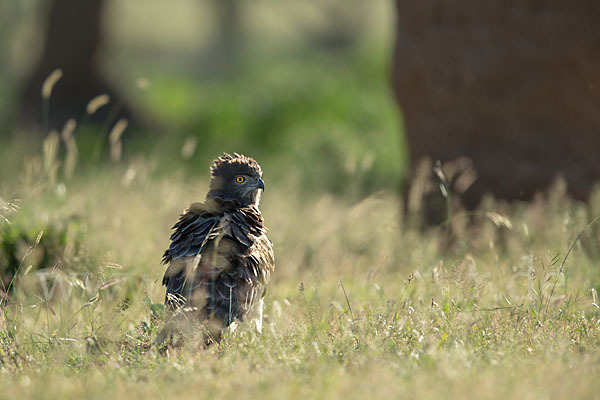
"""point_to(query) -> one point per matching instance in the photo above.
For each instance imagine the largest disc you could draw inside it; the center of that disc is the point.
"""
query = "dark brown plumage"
(220, 258)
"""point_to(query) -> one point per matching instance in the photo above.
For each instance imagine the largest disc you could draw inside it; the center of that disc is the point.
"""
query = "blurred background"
(303, 87)
(339, 96)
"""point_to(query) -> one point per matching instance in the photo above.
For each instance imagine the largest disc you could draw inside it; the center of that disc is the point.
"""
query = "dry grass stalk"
(116, 146)
(51, 164)
(96, 103)
(50, 82)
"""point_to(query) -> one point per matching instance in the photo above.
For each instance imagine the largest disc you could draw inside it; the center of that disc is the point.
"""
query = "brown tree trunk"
(71, 43)
(229, 36)
(512, 85)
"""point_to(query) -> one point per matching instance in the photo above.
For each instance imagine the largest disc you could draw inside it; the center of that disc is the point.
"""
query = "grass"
(362, 304)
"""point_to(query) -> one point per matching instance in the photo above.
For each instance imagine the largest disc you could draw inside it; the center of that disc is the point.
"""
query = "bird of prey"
(220, 259)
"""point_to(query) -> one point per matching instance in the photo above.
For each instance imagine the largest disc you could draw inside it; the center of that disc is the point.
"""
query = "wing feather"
(241, 261)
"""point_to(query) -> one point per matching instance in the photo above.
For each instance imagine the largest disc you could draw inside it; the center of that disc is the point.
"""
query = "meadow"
(366, 301)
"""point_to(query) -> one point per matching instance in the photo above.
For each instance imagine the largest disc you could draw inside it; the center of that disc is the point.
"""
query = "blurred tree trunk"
(72, 39)
(229, 25)
(512, 85)
(345, 24)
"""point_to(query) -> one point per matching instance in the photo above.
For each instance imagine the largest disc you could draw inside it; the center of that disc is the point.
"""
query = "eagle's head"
(236, 178)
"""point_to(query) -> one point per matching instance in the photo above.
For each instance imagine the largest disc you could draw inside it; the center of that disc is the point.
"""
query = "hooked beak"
(260, 184)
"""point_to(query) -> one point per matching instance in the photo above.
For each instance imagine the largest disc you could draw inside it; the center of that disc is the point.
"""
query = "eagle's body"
(220, 258)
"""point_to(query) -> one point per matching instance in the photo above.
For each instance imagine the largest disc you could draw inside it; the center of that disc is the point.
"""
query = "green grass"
(490, 317)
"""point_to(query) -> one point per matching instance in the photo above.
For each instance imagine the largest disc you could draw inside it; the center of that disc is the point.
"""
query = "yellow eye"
(239, 179)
